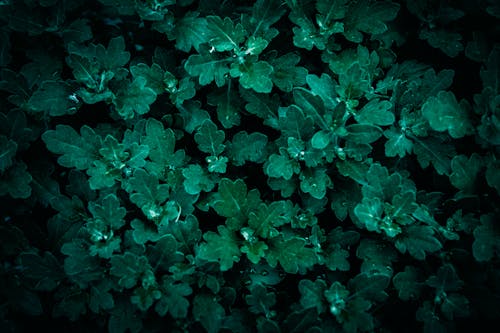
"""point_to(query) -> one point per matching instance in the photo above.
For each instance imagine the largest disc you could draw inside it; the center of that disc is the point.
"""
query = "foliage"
(266, 166)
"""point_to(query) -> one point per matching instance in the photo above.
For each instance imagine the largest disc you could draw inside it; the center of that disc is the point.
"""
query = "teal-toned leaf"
(128, 268)
(225, 35)
(418, 241)
(78, 151)
(315, 183)
(248, 147)
(255, 250)
(260, 300)
(363, 133)
(54, 98)
(444, 113)
(321, 139)
(228, 106)
(8, 149)
(369, 17)
(16, 181)
(190, 31)
(486, 239)
(208, 67)
(376, 112)
(286, 74)
(208, 312)
(312, 294)
(268, 217)
(197, 180)
(278, 166)
(254, 75)
(448, 42)
(408, 283)
(44, 271)
(210, 139)
(173, 299)
(464, 171)
(135, 98)
(161, 143)
(221, 247)
(397, 143)
(292, 254)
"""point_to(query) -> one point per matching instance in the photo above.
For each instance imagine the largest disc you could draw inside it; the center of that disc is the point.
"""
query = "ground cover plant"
(249, 166)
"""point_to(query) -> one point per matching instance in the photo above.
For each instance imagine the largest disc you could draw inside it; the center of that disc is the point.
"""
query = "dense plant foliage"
(268, 166)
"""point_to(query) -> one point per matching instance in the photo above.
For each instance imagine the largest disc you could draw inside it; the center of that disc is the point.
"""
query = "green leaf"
(54, 98)
(164, 253)
(109, 212)
(248, 147)
(434, 150)
(486, 239)
(264, 14)
(210, 139)
(16, 181)
(315, 182)
(336, 253)
(136, 97)
(254, 75)
(208, 312)
(363, 133)
(161, 143)
(233, 202)
(78, 151)
(377, 256)
(292, 254)
(8, 149)
(490, 74)
(286, 74)
(124, 318)
(197, 180)
(279, 166)
(407, 283)
(154, 75)
(260, 301)
(448, 42)
(397, 143)
(228, 106)
(268, 217)
(255, 250)
(129, 268)
(79, 265)
(115, 55)
(190, 31)
(173, 299)
(100, 297)
(464, 171)
(225, 35)
(45, 272)
(208, 67)
(376, 112)
(370, 286)
(77, 31)
(444, 113)
(369, 17)
(14, 126)
(312, 294)
(493, 174)
(321, 139)
(369, 212)
(418, 241)
(337, 296)
(221, 247)
(147, 193)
